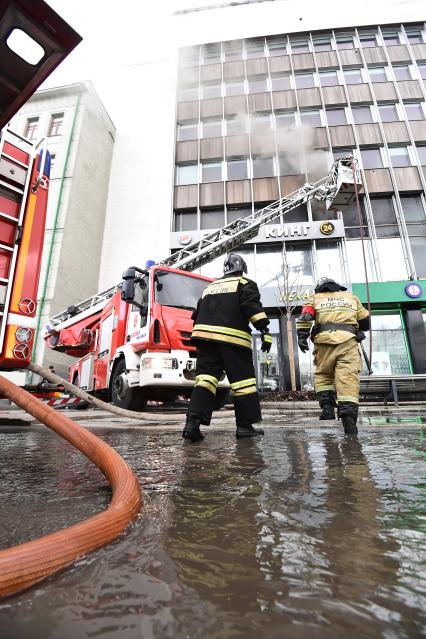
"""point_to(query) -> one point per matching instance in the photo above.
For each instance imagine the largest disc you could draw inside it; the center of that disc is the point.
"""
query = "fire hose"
(28, 563)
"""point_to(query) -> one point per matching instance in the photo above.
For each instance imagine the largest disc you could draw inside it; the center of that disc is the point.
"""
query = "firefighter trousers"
(212, 360)
(337, 367)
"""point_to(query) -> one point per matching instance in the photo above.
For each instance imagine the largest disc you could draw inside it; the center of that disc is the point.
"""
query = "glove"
(302, 340)
(266, 342)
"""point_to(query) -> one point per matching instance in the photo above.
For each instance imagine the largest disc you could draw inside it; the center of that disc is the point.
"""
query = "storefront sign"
(413, 290)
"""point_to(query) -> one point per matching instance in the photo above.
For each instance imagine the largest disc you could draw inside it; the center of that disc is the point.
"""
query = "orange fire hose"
(24, 565)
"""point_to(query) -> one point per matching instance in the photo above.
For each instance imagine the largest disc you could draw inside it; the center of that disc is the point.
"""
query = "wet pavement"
(303, 533)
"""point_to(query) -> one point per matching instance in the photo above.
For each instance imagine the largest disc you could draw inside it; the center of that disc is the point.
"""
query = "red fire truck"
(33, 41)
(133, 340)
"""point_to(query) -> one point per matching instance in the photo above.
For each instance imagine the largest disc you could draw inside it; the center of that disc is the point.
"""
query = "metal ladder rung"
(11, 188)
(4, 280)
(14, 160)
(6, 216)
(5, 247)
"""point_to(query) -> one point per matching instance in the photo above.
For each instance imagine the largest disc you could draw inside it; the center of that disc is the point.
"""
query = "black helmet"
(234, 264)
(327, 284)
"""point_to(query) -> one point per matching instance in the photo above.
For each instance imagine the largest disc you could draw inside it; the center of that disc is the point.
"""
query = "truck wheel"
(223, 396)
(122, 395)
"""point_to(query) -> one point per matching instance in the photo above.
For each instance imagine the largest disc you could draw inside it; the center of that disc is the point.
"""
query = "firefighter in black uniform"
(223, 338)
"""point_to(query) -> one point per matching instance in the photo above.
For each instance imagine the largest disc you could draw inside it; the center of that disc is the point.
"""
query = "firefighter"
(224, 344)
(339, 320)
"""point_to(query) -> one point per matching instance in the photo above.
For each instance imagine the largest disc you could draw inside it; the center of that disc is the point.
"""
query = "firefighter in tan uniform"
(224, 344)
(339, 320)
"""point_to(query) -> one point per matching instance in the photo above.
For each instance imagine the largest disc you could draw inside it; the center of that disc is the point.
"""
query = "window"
(389, 345)
(211, 172)
(187, 131)
(414, 36)
(233, 50)
(399, 156)
(422, 70)
(415, 220)
(377, 74)
(367, 40)
(299, 46)
(258, 85)
(299, 214)
(421, 151)
(56, 122)
(401, 72)
(345, 42)
(413, 210)
(212, 90)
(388, 112)
(328, 78)
(31, 128)
(390, 37)
(235, 213)
(234, 87)
(362, 114)
(353, 76)
(290, 164)
(304, 80)
(236, 125)
(185, 221)
(322, 44)
(336, 116)
(212, 219)
(211, 53)
(351, 221)
(384, 217)
(260, 122)
(311, 117)
(280, 82)
(189, 56)
(277, 47)
(342, 153)
(414, 111)
(285, 118)
(186, 94)
(255, 48)
(329, 261)
(52, 160)
(371, 158)
(212, 128)
(263, 167)
(237, 169)
(186, 174)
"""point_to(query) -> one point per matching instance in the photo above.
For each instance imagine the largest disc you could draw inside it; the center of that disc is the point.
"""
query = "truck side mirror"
(128, 285)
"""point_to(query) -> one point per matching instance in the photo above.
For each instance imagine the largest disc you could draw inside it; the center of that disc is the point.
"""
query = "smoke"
(297, 149)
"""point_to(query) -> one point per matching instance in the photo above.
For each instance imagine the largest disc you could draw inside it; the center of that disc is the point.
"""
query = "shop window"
(401, 72)
(268, 366)
(187, 94)
(362, 115)
(260, 122)
(212, 219)
(389, 352)
(311, 117)
(186, 174)
(421, 152)
(384, 217)
(258, 85)
(277, 47)
(299, 46)
(399, 156)
(187, 131)
(255, 48)
(280, 82)
(185, 221)
(388, 112)
(211, 172)
(414, 111)
(371, 158)
(263, 167)
(56, 123)
(234, 87)
(345, 42)
(353, 76)
(233, 50)
(285, 118)
(237, 169)
(237, 212)
(304, 80)
(299, 257)
(336, 116)
(212, 90)
(328, 78)
(236, 125)
(329, 260)
(31, 126)
(378, 74)
(212, 128)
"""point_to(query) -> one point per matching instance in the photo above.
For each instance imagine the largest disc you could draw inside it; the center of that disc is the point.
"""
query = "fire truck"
(133, 339)
(33, 41)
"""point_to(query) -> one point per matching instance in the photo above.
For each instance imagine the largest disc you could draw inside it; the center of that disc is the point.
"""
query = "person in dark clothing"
(224, 343)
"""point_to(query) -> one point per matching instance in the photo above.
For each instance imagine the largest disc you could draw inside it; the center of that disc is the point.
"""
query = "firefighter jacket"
(225, 309)
(328, 308)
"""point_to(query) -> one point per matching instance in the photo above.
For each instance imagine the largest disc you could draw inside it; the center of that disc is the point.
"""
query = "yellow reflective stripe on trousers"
(323, 387)
(222, 329)
(245, 391)
(244, 382)
(208, 385)
(217, 337)
(342, 399)
(207, 378)
(258, 316)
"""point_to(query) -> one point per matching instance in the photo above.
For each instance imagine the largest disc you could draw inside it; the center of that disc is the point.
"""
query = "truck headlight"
(158, 363)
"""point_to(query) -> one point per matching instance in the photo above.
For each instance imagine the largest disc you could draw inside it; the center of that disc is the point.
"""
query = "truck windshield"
(180, 291)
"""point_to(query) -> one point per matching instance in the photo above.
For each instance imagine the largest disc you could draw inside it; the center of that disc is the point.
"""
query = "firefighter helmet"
(328, 284)
(234, 264)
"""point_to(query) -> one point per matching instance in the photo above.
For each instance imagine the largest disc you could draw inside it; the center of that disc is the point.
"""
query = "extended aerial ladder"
(336, 190)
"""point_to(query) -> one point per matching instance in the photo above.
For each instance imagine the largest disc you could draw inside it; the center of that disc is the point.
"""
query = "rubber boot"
(349, 416)
(192, 429)
(326, 401)
(247, 430)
